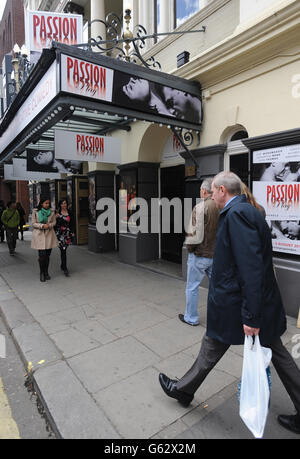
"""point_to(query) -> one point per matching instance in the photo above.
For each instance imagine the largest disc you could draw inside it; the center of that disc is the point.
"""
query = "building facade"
(246, 59)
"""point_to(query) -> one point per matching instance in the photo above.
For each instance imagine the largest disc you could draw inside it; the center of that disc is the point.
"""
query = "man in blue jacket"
(243, 298)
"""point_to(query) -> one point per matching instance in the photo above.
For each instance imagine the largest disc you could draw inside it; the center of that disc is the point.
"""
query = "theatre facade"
(234, 105)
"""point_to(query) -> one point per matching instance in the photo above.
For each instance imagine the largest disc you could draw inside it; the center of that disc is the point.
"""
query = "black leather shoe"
(181, 317)
(47, 277)
(169, 387)
(291, 423)
(42, 277)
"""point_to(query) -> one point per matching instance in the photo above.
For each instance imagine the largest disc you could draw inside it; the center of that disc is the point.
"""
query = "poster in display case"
(276, 186)
(127, 198)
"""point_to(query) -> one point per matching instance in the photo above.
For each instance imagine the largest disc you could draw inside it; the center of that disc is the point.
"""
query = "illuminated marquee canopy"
(97, 95)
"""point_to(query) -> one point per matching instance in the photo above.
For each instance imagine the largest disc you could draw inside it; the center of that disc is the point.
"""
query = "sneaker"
(181, 317)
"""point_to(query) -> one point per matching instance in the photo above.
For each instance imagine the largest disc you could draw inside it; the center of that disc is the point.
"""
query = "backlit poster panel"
(45, 161)
(87, 147)
(44, 27)
(276, 186)
(144, 95)
(84, 78)
(20, 170)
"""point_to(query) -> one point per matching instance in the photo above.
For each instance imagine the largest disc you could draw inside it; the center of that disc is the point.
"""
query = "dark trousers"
(212, 351)
(63, 258)
(1, 232)
(44, 259)
(11, 238)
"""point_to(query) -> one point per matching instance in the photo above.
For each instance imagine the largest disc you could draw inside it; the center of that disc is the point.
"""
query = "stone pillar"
(146, 19)
(166, 15)
(98, 12)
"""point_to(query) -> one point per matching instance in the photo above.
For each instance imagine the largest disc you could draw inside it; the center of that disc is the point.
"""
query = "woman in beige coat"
(43, 235)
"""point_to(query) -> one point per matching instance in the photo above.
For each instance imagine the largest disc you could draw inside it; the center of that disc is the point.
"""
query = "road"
(19, 415)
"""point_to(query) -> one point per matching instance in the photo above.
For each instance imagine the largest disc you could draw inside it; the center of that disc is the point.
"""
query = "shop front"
(115, 119)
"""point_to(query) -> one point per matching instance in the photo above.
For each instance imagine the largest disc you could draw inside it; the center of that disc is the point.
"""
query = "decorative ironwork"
(186, 139)
(119, 40)
(127, 44)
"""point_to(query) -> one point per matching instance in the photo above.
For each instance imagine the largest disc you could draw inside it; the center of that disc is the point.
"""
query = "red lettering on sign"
(47, 28)
(89, 145)
(36, 22)
(88, 77)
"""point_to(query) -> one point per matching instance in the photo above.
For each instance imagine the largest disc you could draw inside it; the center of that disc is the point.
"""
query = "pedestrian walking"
(64, 230)
(43, 235)
(22, 219)
(2, 208)
(200, 245)
(243, 298)
(11, 219)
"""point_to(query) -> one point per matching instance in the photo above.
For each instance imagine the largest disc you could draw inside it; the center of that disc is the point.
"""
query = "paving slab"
(75, 413)
(35, 345)
(111, 363)
(15, 313)
(147, 409)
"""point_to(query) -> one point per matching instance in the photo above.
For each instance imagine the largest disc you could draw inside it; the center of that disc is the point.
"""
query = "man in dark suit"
(243, 298)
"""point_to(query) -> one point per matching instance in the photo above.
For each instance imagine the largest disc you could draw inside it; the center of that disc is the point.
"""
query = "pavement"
(99, 339)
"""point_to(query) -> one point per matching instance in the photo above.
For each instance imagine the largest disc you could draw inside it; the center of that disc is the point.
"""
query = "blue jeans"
(197, 267)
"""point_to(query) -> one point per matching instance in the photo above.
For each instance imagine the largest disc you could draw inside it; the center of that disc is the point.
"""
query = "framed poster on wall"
(276, 186)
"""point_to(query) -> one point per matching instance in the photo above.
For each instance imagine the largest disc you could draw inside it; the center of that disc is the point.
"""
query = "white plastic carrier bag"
(255, 388)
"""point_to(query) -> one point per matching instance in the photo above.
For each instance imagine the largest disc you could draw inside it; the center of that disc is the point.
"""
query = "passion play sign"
(86, 79)
(93, 80)
(43, 27)
(87, 147)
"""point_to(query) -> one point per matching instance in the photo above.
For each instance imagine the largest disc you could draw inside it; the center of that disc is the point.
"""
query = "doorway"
(237, 160)
(172, 186)
(239, 164)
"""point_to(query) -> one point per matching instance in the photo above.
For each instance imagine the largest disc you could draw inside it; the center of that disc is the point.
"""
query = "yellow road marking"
(8, 427)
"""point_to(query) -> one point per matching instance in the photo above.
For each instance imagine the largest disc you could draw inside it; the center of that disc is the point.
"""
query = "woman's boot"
(42, 269)
(47, 261)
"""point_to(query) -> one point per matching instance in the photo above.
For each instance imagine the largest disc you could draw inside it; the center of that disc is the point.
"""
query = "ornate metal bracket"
(123, 43)
(116, 37)
(186, 139)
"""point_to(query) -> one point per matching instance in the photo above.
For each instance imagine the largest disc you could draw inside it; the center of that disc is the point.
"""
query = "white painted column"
(98, 12)
(146, 19)
(166, 15)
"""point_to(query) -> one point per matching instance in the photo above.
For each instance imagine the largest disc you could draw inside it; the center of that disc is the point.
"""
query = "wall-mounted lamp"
(21, 66)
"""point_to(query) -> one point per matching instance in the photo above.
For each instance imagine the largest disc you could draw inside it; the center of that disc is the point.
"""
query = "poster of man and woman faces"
(149, 97)
(276, 186)
(45, 161)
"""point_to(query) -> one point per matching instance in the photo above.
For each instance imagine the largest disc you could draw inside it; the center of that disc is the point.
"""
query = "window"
(169, 14)
(184, 9)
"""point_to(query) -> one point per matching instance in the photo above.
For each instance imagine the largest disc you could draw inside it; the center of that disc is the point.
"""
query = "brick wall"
(12, 29)
(22, 196)
(5, 192)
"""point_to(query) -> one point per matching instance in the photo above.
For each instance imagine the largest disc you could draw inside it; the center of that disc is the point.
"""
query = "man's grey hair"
(207, 183)
(230, 181)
